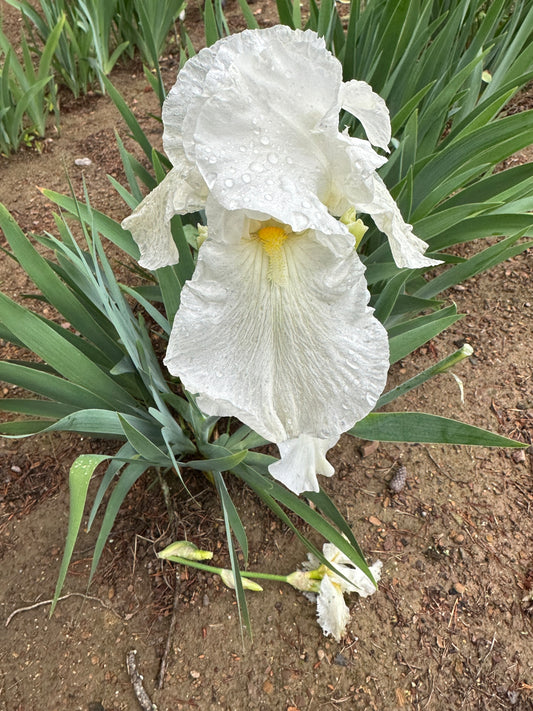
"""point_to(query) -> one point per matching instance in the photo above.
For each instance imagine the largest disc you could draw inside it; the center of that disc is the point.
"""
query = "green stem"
(212, 569)
(440, 367)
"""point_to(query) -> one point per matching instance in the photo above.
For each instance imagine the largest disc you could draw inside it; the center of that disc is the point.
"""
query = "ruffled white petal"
(332, 612)
(354, 163)
(407, 249)
(303, 358)
(184, 99)
(358, 98)
(180, 192)
(301, 460)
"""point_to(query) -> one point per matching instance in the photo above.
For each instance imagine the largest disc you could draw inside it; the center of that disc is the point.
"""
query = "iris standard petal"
(253, 136)
(183, 100)
(332, 612)
(180, 192)
(358, 98)
(280, 336)
(262, 129)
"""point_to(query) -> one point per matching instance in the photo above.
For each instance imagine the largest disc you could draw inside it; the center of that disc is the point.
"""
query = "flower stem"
(440, 367)
(213, 569)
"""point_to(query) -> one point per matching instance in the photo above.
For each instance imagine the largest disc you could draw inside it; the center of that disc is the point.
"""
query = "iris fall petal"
(282, 338)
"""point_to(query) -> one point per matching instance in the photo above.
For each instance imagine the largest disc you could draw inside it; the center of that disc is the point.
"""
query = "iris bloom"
(274, 327)
(332, 612)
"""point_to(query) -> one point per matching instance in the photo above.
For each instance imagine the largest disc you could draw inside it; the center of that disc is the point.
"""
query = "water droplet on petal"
(228, 183)
(265, 140)
(272, 158)
(257, 166)
(245, 178)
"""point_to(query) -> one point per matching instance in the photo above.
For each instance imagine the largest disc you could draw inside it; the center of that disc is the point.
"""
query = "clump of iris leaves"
(447, 69)
(70, 45)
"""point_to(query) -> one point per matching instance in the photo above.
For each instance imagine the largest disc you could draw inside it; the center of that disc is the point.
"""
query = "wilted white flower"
(332, 612)
(253, 121)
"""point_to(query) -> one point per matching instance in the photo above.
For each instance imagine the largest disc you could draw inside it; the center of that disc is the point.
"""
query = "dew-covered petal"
(332, 612)
(256, 136)
(182, 101)
(180, 192)
(306, 357)
(301, 460)
(358, 98)
(407, 249)
(353, 164)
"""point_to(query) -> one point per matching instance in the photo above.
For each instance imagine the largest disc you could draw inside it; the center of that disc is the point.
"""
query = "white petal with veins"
(332, 612)
(282, 338)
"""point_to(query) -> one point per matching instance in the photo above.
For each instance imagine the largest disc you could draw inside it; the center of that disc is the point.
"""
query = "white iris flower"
(332, 612)
(253, 120)
(274, 327)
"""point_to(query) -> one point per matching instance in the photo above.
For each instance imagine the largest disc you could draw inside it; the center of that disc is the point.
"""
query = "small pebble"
(340, 660)
(513, 697)
(83, 162)
(369, 448)
(195, 674)
(397, 483)
(518, 456)
(95, 706)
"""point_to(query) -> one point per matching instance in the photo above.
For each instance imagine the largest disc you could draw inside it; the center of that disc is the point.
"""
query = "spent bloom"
(274, 327)
(332, 612)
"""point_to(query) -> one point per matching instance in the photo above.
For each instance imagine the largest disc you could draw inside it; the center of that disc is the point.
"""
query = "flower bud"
(202, 234)
(229, 581)
(185, 549)
(356, 226)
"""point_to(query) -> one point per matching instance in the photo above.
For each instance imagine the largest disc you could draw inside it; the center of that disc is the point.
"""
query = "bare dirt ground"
(451, 626)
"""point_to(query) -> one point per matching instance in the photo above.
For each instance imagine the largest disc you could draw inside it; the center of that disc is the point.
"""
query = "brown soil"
(451, 625)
